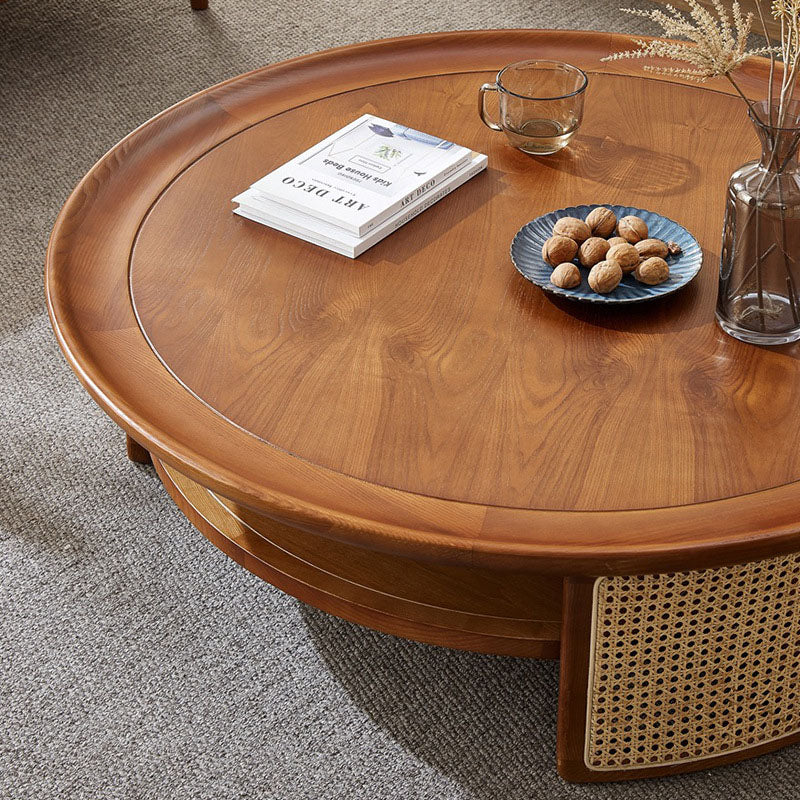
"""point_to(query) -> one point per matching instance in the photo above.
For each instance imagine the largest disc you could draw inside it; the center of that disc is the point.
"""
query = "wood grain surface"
(425, 400)
(429, 364)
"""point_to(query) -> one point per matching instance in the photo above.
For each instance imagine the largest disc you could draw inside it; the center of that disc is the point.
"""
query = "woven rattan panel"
(685, 666)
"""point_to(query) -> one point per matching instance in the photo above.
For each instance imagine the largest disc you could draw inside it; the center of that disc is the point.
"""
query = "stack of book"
(358, 185)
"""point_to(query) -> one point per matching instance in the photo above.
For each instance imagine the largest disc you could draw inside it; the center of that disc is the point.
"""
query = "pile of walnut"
(607, 259)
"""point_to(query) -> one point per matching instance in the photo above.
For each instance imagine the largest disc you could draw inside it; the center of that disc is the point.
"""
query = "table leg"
(136, 452)
(680, 671)
(199, 5)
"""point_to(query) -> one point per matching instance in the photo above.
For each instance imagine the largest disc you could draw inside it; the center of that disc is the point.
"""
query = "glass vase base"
(757, 337)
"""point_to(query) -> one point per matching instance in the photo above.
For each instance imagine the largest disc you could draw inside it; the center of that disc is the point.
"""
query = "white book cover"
(363, 173)
(287, 220)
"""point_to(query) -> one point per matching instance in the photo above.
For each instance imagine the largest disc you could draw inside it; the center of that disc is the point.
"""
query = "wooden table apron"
(158, 201)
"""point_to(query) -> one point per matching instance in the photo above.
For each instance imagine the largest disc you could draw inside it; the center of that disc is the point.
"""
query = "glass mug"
(541, 104)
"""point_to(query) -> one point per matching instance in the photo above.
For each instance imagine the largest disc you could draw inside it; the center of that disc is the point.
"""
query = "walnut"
(652, 247)
(625, 255)
(652, 271)
(605, 276)
(674, 248)
(601, 221)
(594, 249)
(617, 240)
(632, 229)
(558, 249)
(566, 276)
(572, 227)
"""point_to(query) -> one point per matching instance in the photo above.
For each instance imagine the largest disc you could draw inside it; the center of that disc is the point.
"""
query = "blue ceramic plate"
(526, 253)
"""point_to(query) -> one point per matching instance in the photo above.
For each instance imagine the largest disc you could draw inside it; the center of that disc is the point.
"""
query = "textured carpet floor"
(136, 661)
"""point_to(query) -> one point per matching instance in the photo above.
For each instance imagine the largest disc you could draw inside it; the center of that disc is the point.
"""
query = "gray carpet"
(136, 661)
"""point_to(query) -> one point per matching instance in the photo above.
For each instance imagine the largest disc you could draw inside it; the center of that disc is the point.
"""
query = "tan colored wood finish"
(425, 400)
(429, 365)
(463, 607)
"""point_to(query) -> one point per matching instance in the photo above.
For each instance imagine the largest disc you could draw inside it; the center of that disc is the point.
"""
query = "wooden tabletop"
(425, 399)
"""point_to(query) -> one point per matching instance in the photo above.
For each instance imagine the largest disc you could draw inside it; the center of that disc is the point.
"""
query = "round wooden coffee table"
(423, 442)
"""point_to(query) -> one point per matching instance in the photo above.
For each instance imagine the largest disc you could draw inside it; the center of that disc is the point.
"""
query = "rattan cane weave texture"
(685, 666)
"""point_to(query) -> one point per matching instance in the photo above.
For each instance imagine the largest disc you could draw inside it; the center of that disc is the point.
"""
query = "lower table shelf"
(469, 608)
(660, 674)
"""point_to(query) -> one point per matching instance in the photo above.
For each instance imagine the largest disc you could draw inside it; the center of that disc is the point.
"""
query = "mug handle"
(487, 87)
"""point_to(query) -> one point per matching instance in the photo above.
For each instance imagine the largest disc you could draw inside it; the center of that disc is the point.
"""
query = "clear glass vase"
(758, 299)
